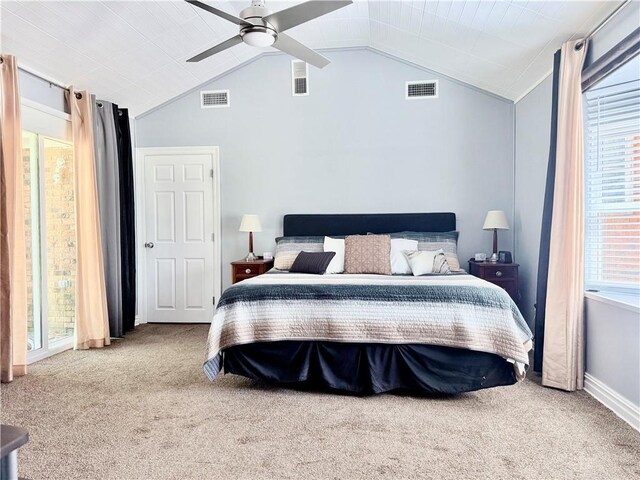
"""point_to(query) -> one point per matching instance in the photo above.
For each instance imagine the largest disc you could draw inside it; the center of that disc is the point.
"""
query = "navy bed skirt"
(364, 369)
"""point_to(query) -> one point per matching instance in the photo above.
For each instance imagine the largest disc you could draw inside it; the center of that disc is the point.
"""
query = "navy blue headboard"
(354, 224)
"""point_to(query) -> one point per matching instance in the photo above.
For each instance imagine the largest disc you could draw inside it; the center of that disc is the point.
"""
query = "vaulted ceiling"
(134, 53)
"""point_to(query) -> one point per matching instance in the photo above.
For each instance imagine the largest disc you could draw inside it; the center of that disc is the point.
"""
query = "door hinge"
(211, 173)
(214, 300)
(213, 237)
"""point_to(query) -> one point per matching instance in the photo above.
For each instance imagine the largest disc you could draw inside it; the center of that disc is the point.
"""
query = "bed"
(367, 334)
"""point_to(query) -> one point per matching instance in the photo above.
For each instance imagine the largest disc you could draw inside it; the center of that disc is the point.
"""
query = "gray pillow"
(288, 248)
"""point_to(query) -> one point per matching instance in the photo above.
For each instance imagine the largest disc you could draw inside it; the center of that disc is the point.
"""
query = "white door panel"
(179, 220)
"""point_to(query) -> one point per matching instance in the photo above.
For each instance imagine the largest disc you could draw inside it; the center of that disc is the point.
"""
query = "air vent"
(422, 89)
(214, 98)
(299, 78)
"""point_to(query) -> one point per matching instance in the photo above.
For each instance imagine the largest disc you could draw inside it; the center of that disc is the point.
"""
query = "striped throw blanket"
(456, 310)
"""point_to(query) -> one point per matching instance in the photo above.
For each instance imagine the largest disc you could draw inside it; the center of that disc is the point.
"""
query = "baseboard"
(611, 399)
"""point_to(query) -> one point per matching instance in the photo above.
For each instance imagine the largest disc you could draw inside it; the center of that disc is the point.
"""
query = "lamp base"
(251, 257)
(493, 258)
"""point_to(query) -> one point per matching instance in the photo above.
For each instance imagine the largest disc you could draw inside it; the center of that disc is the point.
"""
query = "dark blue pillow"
(312, 262)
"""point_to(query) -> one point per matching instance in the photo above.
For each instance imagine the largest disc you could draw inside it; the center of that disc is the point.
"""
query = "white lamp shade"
(250, 223)
(496, 219)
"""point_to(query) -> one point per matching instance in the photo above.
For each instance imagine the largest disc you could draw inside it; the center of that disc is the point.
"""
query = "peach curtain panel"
(13, 264)
(563, 356)
(92, 321)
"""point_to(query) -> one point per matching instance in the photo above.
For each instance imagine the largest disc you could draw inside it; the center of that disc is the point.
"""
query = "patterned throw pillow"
(367, 254)
(430, 241)
(288, 248)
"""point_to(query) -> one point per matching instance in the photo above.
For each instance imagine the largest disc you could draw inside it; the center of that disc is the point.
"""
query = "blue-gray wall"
(613, 347)
(353, 145)
(533, 117)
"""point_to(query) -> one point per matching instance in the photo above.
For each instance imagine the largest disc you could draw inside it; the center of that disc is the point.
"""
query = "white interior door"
(182, 277)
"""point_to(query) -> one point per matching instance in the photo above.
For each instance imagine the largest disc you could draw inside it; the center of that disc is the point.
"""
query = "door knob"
(148, 245)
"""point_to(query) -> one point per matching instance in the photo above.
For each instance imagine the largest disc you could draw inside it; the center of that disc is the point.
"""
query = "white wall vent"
(299, 78)
(422, 89)
(214, 98)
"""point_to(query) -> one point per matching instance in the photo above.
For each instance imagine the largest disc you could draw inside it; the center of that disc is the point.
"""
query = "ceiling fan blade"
(293, 47)
(218, 48)
(299, 14)
(220, 13)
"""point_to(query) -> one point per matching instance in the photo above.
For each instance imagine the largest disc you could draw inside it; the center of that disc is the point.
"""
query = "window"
(612, 174)
(50, 229)
(30, 167)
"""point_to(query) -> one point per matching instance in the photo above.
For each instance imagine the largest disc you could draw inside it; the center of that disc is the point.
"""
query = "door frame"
(141, 224)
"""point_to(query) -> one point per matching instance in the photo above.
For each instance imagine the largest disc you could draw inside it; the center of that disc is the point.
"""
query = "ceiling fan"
(259, 27)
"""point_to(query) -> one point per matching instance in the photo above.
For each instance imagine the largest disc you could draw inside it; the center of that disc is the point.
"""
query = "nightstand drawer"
(498, 273)
(249, 270)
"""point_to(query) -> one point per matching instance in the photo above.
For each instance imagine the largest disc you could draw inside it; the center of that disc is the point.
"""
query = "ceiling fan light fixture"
(259, 38)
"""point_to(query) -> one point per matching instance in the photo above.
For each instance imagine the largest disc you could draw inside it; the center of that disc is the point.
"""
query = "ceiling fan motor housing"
(261, 34)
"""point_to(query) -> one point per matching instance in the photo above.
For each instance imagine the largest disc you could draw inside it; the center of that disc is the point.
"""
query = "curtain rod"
(50, 81)
(602, 24)
(42, 76)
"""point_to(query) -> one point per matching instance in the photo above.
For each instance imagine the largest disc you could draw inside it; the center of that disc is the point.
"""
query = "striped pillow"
(429, 241)
(288, 248)
(440, 264)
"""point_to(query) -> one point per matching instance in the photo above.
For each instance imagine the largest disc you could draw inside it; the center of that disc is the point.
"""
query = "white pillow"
(399, 264)
(421, 262)
(337, 262)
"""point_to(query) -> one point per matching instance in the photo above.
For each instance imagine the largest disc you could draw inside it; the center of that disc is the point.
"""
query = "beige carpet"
(143, 409)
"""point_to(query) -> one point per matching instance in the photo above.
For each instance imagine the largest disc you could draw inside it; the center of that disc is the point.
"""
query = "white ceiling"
(133, 53)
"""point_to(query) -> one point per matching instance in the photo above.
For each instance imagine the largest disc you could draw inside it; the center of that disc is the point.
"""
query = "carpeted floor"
(143, 409)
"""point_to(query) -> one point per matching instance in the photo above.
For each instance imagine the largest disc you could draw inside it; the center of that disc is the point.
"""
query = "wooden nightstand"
(504, 275)
(241, 269)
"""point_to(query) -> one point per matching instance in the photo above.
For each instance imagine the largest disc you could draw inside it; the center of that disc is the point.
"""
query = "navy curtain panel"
(127, 218)
(545, 234)
(108, 182)
(114, 179)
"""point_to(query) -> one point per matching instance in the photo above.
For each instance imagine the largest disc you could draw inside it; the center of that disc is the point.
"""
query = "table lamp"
(250, 223)
(495, 220)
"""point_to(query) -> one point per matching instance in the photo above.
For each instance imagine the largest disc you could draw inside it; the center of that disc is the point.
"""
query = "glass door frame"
(47, 348)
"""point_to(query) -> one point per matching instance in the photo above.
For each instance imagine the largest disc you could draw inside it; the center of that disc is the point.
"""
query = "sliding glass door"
(30, 166)
(50, 228)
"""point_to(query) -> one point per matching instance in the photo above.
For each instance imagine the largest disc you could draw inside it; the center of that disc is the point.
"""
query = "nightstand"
(504, 275)
(242, 269)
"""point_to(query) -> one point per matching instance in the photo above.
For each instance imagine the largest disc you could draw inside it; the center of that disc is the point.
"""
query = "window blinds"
(612, 173)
